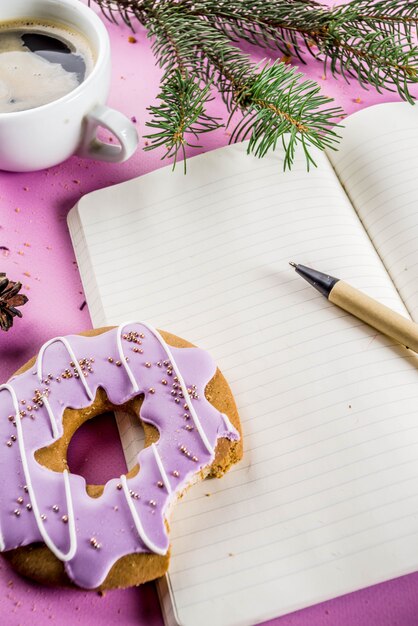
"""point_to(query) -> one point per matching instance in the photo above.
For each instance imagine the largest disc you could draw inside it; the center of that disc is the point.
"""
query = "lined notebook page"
(378, 165)
(325, 500)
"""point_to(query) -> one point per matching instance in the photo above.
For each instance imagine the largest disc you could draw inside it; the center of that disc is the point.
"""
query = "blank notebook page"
(325, 499)
(380, 174)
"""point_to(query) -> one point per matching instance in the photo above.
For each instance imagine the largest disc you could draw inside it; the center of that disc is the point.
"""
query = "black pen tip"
(322, 282)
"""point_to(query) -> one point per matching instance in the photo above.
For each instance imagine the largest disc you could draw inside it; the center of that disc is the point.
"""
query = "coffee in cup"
(40, 62)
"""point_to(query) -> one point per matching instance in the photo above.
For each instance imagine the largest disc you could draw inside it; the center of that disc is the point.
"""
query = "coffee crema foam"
(40, 62)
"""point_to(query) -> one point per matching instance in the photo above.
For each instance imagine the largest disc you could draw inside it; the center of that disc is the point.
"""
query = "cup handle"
(117, 124)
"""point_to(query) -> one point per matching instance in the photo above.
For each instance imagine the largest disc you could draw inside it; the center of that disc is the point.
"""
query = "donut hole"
(95, 451)
(95, 425)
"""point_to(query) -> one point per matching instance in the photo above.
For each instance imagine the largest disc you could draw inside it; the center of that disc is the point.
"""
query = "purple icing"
(90, 534)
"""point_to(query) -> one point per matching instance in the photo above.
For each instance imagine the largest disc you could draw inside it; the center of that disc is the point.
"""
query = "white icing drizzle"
(123, 360)
(71, 521)
(138, 525)
(70, 351)
(161, 468)
(186, 396)
(70, 514)
(55, 431)
(229, 426)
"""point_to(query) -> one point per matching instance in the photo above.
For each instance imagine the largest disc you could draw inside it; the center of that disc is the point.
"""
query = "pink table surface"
(33, 211)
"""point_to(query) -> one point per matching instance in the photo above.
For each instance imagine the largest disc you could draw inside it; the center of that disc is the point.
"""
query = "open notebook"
(326, 498)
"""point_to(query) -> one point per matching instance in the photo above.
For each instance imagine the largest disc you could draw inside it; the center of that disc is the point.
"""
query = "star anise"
(10, 298)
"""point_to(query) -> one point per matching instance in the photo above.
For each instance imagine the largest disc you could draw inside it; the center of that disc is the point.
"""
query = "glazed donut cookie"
(57, 529)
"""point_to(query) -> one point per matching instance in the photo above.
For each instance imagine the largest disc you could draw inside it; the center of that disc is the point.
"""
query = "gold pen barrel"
(375, 314)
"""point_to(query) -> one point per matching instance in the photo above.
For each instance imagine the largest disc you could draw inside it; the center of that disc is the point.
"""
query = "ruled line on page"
(208, 266)
(163, 283)
(131, 250)
(254, 585)
(386, 188)
(168, 198)
(133, 300)
(354, 174)
(288, 468)
(384, 343)
(269, 424)
(350, 148)
(256, 534)
(193, 228)
(387, 228)
(234, 603)
(190, 246)
(229, 524)
(279, 550)
(240, 474)
(126, 227)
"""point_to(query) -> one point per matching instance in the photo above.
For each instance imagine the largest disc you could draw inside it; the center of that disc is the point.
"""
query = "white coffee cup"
(44, 136)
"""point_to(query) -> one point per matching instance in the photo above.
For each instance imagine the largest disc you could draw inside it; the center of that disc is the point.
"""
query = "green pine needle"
(196, 42)
(281, 106)
(181, 112)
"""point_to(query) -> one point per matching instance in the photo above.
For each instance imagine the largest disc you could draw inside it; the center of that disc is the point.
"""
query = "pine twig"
(295, 114)
(195, 42)
(273, 100)
(181, 112)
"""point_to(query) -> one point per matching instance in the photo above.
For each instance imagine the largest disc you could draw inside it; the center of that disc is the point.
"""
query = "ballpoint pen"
(362, 306)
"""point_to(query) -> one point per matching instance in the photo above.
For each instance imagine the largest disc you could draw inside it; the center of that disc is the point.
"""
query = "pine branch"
(295, 115)
(180, 112)
(371, 41)
(274, 101)
(209, 55)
